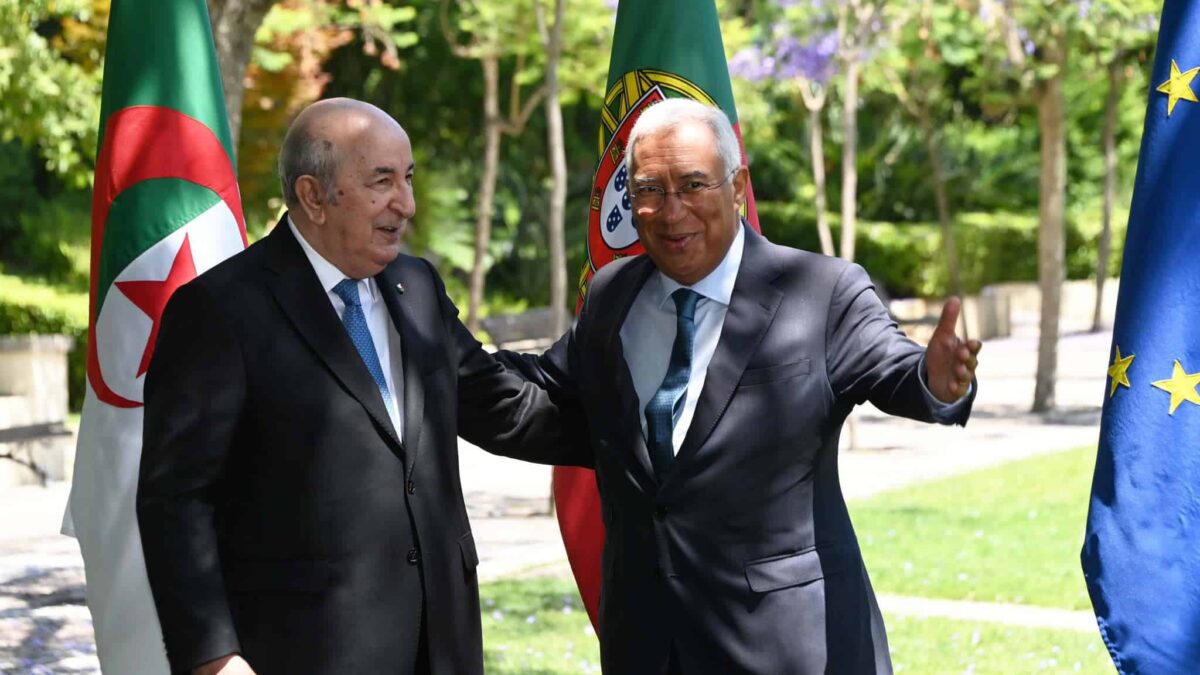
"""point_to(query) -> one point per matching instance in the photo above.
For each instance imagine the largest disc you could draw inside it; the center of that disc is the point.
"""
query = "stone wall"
(1002, 310)
(33, 390)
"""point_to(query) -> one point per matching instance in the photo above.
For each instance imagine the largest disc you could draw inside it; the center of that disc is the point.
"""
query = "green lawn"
(538, 626)
(927, 646)
(535, 627)
(1007, 534)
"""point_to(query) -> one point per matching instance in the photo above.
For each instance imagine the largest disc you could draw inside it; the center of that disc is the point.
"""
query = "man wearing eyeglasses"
(715, 374)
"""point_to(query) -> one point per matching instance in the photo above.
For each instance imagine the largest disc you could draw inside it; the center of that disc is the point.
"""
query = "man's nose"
(673, 207)
(404, 202)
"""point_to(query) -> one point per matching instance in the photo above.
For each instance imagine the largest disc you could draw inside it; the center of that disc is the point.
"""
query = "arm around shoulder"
(501, 412)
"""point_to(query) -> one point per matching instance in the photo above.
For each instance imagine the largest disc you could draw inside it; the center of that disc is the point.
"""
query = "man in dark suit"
(715, 374)
(299, 496)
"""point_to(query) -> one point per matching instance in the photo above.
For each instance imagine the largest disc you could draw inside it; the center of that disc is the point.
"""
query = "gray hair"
(304, 154)
(672, 112)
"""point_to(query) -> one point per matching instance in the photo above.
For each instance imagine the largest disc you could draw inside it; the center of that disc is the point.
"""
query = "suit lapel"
(405, 310)
(626, 287)
(299, 293)
(752, 308)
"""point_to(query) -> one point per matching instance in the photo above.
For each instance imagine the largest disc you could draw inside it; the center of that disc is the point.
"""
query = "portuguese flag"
(165, 207)
(661, 49)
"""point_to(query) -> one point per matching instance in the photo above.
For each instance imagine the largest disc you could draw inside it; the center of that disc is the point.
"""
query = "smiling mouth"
(391, 229)
(677, 241)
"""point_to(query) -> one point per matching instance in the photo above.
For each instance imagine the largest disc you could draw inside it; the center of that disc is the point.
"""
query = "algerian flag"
(165, 208)
(661, 49)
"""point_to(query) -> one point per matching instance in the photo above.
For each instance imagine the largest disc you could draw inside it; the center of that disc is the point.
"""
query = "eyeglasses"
(651, 198)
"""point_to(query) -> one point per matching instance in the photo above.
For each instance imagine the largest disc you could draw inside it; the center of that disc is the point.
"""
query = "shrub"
(908, 259)
(31, 308)
(52, 241)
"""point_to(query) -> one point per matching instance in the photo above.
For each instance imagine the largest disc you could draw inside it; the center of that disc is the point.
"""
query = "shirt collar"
(327, 273)
(718, 285)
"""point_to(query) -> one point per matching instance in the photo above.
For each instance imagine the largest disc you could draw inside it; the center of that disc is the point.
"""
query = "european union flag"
(1141, 553)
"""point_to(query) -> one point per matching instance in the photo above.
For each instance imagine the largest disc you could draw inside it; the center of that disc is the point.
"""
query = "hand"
(950, 361)
(232, 664)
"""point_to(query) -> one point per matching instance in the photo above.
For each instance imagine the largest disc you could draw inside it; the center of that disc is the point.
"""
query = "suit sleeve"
(503, 413)
(871, 359)
(195, 390)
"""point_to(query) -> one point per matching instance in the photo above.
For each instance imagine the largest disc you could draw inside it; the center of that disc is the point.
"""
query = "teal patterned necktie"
(666, 405)
(356, 326)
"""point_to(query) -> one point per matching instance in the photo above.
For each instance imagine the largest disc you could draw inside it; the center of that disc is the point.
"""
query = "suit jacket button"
(660, 511)
(412, 487)
(413, 556)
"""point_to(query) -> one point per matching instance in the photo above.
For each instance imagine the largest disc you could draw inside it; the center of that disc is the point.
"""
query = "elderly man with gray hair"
(299, 496)
(715, 373)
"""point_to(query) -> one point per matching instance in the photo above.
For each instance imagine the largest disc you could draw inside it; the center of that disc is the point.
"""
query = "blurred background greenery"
(946, 121)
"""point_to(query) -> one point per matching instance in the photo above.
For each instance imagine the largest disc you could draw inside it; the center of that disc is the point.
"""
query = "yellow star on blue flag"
(1179, 86)
(1119, 372)
(1181, 386)
(1141, 550)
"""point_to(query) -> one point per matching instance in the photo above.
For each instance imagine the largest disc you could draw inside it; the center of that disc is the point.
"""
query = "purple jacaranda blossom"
(813, 61)
(744, 64)
(748, 64)
(787, 45)
(1026, 41)
(788, 58)
(1085, 9)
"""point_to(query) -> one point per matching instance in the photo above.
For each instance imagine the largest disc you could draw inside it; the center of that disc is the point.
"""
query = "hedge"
(908, 259)
(27, 307)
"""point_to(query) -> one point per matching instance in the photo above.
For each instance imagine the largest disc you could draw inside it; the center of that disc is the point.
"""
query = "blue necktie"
(666, 405)
(356, 326)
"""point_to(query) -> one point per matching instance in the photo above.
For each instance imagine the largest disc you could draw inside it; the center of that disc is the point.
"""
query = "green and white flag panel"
(165, 208)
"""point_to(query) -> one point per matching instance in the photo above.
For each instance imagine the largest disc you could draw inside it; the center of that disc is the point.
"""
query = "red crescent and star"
(144, 143)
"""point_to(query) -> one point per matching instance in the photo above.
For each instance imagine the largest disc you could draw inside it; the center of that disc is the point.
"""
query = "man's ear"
(741, 186)
(312, 198)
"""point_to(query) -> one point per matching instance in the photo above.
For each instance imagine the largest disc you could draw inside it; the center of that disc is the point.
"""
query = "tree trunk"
(943, 210)
(558, 164)
(1051, 214)
(850, 156)
(817, 147)
(1110, 185)
(487, 185)
(234, 23)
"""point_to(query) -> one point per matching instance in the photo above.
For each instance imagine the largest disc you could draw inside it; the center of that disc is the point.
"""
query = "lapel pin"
(400, 287)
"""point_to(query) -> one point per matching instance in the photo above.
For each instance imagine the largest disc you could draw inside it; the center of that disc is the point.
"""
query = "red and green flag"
(661, 49)
(165, 207)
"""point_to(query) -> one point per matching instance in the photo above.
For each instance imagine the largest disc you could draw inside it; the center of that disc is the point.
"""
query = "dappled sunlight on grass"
(926, 646)
(1006, 534)
(536, 626)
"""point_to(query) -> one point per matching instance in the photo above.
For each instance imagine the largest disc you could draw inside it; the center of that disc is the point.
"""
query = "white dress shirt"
(378, 321)
(649, 332)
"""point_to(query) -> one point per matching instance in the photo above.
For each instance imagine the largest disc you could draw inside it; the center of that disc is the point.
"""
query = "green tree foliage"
(973, 67)
(50, 96)
(438, 98)
(945, 54)
(287, 72)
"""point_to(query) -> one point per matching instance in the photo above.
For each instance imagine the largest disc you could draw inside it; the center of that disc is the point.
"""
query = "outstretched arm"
(870, 358)
(505, 414)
